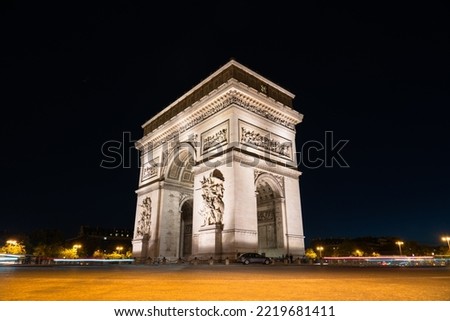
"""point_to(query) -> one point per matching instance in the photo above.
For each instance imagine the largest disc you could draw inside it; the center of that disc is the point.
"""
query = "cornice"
(234, 94)
(231, 70)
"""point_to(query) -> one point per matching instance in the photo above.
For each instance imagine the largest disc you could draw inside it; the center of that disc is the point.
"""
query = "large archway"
(180, 179)
(269, 214)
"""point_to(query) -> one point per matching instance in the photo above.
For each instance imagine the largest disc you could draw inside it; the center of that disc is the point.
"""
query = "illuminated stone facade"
(219, 172)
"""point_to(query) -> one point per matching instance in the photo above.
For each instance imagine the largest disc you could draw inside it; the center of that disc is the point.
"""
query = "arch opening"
(180, 178)
(186, 229)
(269, 217)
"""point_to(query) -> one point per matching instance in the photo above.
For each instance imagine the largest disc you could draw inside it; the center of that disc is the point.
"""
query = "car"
(248, 258)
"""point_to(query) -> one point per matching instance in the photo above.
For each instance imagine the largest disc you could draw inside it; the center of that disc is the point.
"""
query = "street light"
(119, 249)
(447, 238)
(400, 243)
(320, 249)
(11, 242)
(76, 247)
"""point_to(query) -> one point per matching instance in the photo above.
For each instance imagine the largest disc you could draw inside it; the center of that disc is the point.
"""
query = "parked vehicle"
(248, 258)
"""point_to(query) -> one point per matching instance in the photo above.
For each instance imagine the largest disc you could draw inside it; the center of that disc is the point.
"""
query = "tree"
(46, 242)
(46, 250)
(113, 256)
(310, 254)
(357, 253)
(68, 253)
(98, 254)
(13, 247)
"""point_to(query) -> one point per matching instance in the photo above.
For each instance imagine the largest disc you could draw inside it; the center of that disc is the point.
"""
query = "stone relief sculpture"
(270, 144)
(214, 108)
(215, 139)
(148, 171)
(212, 194)
(143, 225)
(266, 216)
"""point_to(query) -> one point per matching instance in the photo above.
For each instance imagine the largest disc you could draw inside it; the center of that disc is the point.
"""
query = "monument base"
(210, 241)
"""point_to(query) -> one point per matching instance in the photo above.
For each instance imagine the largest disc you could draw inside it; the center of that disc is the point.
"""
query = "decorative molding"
(240, 231)
(262, 110)
(295, 236)
(279, 178)
(193, 139)
(232, 72)
(231, 97)
(183, 198)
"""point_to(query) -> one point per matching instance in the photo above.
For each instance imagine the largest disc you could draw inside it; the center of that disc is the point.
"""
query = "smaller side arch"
(186, 219)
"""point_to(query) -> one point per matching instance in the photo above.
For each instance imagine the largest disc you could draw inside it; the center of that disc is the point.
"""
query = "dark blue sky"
(73, 78)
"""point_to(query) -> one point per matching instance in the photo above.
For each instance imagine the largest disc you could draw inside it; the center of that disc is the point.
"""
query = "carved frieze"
(215, 137)
(232, 97)
(266, 216)
(265, 140)
(150, 169)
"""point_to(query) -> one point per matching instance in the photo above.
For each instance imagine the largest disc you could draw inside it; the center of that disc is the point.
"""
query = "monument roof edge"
(231, 62)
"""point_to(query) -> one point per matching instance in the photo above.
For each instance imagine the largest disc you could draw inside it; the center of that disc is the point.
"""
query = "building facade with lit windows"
(219, 174)
(104, 240)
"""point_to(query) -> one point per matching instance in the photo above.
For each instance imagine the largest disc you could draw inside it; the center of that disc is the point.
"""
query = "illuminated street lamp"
(399, 243)
(447, 238)
(76, 247)
(11, 242)
(119, 249)
(320, 249)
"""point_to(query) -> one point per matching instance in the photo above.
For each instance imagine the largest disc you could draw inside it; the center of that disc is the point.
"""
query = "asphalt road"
(233, 282)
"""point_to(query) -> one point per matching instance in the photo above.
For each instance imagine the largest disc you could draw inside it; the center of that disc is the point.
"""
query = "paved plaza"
(219, 282)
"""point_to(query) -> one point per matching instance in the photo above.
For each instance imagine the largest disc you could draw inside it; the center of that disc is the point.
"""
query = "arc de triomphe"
(218, 173)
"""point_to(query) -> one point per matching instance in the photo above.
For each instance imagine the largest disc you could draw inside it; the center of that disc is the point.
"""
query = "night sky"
(75, 77)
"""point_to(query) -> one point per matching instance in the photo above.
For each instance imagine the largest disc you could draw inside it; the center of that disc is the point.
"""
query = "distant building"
(105, 240)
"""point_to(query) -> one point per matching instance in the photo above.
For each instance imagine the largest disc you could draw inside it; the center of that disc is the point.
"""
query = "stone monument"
(219, 174)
